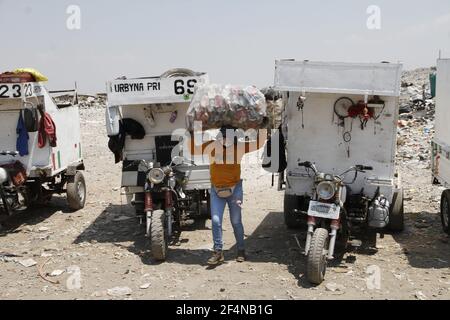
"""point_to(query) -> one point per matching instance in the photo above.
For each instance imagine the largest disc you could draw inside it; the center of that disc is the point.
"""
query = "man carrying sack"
(225, 156)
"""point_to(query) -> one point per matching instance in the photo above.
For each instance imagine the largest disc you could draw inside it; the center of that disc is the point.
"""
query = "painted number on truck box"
(8, 91)
(181, 87)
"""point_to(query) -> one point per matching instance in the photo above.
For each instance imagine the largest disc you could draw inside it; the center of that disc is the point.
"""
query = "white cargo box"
(152, 101)
(153, 90)
(381, 79)
(47, 161)
(314, 131)
(441, 141)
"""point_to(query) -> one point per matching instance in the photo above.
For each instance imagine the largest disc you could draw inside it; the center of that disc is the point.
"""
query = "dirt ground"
(100, 252)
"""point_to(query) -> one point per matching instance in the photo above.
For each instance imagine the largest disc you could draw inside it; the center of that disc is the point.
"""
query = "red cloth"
(360, 109)
(47, 129)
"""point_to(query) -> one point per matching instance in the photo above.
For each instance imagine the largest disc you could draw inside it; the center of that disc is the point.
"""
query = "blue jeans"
(217, 209)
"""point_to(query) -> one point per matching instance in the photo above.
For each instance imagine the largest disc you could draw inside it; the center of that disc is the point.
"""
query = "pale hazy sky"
(234, 41)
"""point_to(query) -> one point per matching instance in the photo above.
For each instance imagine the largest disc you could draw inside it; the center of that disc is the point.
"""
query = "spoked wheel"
(76, 191)
(158, 235)
(317, 256)
(445, 210)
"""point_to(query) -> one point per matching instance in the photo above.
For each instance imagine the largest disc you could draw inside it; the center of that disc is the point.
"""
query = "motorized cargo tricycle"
(340, 118)
(166, 190)
(40, 147)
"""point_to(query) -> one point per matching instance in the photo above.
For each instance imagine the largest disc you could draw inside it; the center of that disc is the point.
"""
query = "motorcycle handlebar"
(305, 164)
(363, 168)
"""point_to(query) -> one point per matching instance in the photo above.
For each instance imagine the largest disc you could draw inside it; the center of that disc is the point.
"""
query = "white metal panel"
(67, 122)
(153, 90)
(442, 121)
(321, 141)
(441, 141)
(146, 148)
(335, 77)
(21, 90)
(68, 149)
(441, 163)
(37, 157)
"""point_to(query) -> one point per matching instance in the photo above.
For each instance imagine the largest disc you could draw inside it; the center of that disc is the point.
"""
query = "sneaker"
(216, 258)
(240, 256)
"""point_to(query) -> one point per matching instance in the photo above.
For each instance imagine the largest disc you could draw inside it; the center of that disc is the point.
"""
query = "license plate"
(323, 210)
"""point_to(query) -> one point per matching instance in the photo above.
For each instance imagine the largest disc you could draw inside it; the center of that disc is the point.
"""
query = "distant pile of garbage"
(416, 118)
(84, 101)
(416, 100)
(97, 101)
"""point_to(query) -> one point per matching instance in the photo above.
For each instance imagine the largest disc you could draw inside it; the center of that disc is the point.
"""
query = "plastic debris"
(215, 106)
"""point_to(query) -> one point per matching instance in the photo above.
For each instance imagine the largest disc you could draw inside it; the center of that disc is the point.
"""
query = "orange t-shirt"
(225, 167)
(225, 163)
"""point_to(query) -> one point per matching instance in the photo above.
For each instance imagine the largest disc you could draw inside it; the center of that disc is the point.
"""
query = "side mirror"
(177, 160)
(112, 115)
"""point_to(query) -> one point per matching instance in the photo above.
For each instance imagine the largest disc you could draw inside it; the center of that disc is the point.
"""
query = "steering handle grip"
(364, 168)
(305, 164)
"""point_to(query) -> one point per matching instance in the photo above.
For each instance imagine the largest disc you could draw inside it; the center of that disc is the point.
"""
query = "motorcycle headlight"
(156, 176)
(326, 190)
(3, 176)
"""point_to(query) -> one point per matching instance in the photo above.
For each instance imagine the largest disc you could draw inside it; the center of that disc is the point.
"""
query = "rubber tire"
(158, 236)
(316, 261)
(73, 199)
(397, 215)
(445, 197)
(178, 72)
(291, 219)
(205, 209)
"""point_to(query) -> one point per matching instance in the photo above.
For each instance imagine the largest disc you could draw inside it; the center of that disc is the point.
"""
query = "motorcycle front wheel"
(158, 235)
(317, 256)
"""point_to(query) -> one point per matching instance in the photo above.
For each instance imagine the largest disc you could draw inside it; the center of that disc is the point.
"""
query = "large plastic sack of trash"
(215, 106)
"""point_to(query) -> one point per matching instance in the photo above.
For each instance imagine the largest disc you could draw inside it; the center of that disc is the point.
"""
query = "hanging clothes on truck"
(126, 126)
(22, 137)
(47, 130)
(31, 119)
(274, 160)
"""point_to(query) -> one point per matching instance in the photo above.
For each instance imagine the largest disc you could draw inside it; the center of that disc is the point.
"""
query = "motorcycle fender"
(342, 195)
